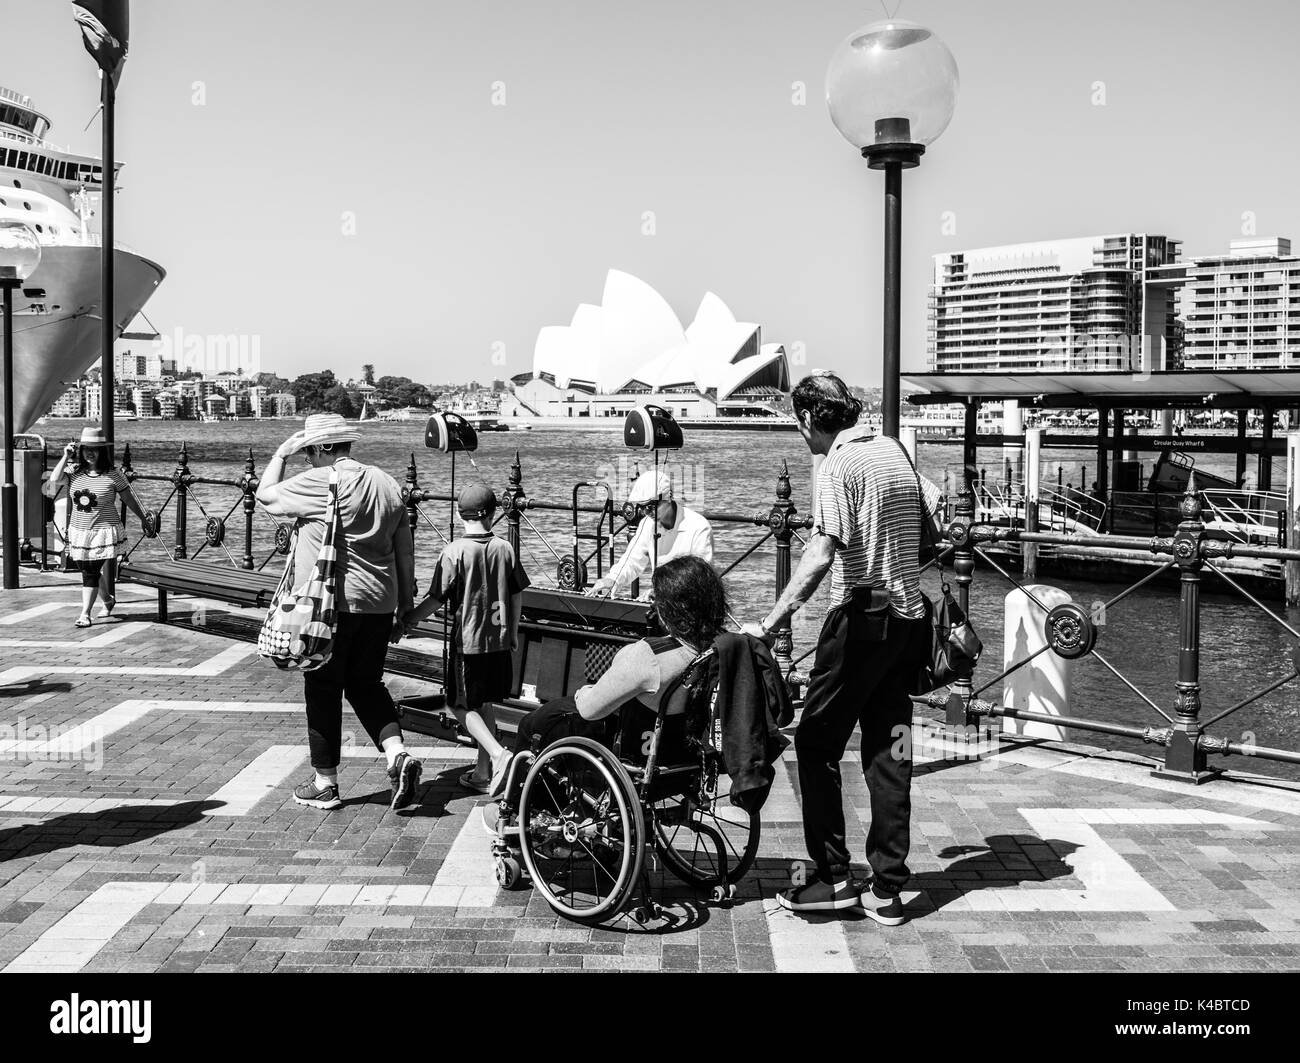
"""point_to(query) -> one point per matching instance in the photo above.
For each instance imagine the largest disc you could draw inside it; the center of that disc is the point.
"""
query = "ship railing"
(1247, 516)
(1182, 720)
(1060, 509)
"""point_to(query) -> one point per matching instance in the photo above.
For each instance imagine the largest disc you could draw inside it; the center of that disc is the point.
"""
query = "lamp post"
(20, 254)
(891, 88)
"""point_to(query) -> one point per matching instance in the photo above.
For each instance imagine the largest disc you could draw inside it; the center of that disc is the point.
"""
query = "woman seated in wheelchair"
(691, 604)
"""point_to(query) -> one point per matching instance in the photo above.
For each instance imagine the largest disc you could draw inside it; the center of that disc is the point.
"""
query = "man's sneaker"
(884, 908)
(404, 777)
(325, 797)
(821, 896)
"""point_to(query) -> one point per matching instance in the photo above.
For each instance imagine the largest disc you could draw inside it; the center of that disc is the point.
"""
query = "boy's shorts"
(478, 678)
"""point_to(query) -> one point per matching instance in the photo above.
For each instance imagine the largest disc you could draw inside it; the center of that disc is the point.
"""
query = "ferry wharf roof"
(1228, 389)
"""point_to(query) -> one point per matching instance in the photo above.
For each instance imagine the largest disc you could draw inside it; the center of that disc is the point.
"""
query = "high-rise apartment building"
(1078, 305)
(1242, 309)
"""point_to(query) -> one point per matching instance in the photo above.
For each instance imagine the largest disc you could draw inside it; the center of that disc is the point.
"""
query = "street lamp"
(20, 254)
(891, 88)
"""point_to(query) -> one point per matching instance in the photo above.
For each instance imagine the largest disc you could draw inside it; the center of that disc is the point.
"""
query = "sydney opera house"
(632, 349)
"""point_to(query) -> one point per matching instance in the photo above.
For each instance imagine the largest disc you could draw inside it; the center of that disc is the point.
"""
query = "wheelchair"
(583, 822)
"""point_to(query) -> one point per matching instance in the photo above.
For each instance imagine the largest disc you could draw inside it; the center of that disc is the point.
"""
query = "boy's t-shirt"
(477, 575)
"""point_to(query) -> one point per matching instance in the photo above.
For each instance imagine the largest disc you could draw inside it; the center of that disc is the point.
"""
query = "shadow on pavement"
(109, 828)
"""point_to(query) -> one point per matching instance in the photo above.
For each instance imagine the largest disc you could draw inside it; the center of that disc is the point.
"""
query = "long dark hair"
(690, 600)
(103, 459)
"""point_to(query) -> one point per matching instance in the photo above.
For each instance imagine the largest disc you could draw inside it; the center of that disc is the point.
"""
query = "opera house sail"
(632, 349)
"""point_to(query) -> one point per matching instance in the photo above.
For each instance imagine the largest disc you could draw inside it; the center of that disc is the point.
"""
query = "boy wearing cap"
(480, 576)
(681, 530)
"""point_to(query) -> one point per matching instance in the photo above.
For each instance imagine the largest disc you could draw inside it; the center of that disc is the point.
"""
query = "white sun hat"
(323, 428)
(648, 486)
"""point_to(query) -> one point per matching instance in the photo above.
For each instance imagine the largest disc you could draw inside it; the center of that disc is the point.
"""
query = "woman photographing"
(86, 475)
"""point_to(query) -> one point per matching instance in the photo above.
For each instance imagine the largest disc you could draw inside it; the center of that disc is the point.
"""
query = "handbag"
(298, 631)
(955, 647)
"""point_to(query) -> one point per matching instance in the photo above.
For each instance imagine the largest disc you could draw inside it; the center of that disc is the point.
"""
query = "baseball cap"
(648, 487)
(475, 501)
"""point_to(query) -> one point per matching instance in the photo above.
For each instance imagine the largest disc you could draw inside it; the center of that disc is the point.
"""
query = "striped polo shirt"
(866, 500)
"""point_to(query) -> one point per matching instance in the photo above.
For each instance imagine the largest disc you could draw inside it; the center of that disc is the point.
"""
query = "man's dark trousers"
(857, 681)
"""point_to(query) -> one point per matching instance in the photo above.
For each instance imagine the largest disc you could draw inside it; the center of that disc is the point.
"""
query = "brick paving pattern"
(162, 836)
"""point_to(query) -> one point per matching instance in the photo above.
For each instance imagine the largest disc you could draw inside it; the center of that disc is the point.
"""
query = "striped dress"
(866, 499)
(95, 528)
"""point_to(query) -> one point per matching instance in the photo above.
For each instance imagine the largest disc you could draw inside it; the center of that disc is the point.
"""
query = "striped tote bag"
(298, 631)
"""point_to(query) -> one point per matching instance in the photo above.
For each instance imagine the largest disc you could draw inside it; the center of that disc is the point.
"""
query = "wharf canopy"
(632, 349)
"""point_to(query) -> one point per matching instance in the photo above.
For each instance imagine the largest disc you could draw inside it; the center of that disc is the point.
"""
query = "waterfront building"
(72, 403)
(167, 405)
(280, 404)
(1078, 305)
(142, 398)
(127, 365)
(632, 349)
(1242, 309)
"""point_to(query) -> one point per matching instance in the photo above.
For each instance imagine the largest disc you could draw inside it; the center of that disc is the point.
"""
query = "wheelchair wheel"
(581, 830)
(692, 837)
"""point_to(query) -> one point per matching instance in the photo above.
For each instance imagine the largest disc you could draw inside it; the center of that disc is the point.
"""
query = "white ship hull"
(57, 333)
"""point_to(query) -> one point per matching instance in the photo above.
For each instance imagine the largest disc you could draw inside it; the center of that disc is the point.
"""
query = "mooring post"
(780, 519)
(1290, 530)
(1033, 473)
(1184, 759)
(182, 480)
(249, 484)
(512, 503)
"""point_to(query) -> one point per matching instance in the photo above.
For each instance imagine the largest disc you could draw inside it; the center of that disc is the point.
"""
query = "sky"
(423, 185)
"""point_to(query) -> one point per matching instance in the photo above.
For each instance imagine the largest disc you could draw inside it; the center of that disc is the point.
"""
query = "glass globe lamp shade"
(891, 83)
(20, 251)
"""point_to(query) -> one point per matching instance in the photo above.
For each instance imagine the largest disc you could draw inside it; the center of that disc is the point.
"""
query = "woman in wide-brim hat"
(93, 485)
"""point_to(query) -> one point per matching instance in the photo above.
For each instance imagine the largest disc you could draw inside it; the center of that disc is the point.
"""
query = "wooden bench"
(565, 641)
(202, 579)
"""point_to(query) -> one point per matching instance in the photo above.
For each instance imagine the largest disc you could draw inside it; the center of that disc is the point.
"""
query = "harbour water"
(1242, 649)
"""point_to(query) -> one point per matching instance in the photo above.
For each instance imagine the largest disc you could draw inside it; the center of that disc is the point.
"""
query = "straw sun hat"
(324, 428)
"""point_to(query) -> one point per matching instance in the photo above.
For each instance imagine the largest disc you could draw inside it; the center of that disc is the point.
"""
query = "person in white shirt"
(682, 533)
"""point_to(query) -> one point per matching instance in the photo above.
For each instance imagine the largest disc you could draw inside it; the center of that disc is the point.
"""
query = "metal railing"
(1074, 633)
(1191, 551)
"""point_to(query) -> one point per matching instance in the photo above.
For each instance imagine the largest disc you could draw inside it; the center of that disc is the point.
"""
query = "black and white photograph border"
(691, 488)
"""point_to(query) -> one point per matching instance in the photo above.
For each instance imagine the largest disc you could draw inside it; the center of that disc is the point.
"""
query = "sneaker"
(821, 896)
(310, 794)
(884, 908)
(404, 776)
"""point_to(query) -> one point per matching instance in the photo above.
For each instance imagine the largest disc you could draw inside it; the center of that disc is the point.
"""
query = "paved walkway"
(146, 824)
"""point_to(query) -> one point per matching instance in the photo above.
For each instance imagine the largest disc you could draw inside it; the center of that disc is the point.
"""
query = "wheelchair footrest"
(430, 716)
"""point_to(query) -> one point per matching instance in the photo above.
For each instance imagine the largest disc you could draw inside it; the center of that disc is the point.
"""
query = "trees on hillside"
(309, 391)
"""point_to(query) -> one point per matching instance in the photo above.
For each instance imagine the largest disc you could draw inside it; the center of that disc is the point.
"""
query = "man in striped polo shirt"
(867, 517)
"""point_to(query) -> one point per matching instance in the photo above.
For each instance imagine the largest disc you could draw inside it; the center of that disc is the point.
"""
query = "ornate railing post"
(1184, 757)
(248, 483)
(512, 505)
(128, 473)
(411, 495)
(963, 566)
(181, 477)
(780, 519)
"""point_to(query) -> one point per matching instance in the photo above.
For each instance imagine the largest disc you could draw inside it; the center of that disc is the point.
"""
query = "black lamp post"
(20, 254)
(891, 88)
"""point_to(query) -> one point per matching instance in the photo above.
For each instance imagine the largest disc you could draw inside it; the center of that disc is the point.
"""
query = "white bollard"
(1043, 685)
(907, 436)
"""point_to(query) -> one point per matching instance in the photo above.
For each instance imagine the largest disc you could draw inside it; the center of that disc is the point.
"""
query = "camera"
(450, 432)
(651, 428)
